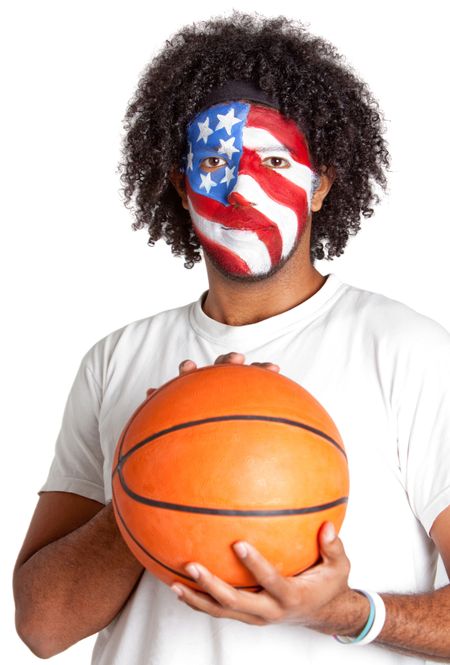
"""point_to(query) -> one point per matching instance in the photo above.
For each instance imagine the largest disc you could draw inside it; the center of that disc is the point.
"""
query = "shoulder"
(133, 336)
(393, 323)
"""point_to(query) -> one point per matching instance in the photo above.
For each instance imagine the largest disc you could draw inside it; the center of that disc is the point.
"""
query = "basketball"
(226, 453)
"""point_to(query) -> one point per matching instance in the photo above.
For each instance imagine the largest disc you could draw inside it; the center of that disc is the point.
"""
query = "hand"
(318, 598)
(231, 358)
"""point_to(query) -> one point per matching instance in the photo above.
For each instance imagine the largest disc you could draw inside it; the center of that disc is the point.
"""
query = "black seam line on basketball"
(131, 419)
(153, 558)
(226, 511)
(215, 419)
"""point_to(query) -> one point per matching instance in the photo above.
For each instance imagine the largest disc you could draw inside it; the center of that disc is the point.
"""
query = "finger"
(232, 358)
(331, 547)
(204, 603)
(271, 366)
(229, 597)
(224, 593)
(264, 572)
(186, 366)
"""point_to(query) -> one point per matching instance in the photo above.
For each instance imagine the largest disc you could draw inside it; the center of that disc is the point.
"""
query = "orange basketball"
(228, 453)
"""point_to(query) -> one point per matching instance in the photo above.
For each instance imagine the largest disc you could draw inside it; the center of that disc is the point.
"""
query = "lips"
(252, 227)
(259, 249)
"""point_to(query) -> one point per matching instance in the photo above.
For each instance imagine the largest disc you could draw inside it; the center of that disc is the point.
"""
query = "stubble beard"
(253, 278)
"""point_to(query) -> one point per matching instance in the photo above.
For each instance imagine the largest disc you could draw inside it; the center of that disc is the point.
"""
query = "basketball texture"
(228, 453)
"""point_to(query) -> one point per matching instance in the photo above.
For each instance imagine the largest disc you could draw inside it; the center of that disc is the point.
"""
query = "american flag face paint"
(249, 184)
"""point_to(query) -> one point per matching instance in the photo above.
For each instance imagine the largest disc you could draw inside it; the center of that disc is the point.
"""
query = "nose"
(237, 199)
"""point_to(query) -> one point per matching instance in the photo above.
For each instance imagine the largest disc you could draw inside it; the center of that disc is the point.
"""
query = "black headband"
(238, 89)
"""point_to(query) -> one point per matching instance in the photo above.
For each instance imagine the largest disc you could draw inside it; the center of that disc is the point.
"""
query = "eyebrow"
(270, 148)
(283, 148)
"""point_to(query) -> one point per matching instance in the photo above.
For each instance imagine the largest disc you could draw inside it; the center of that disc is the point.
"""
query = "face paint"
(249, 186)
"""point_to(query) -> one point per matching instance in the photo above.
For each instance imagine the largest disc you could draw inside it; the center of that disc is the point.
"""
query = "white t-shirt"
(380, 369)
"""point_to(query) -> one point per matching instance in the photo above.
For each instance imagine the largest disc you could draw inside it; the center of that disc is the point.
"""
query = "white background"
(72, 268)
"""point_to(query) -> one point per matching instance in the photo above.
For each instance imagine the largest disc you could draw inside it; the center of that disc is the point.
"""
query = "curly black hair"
(304, 73)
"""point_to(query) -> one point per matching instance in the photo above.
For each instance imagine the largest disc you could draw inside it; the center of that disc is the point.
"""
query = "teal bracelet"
(345, 639)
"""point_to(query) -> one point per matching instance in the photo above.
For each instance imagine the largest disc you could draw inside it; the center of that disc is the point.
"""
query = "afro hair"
(312, 84)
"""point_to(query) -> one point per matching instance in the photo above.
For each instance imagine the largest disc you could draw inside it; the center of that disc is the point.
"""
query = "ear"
(327, 177)
(177, 177)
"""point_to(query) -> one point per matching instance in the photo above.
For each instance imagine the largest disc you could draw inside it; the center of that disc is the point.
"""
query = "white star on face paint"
(207, 183)
(205, 130)
(229, 175)
(227, 121)
(189, 158)
(227, 147)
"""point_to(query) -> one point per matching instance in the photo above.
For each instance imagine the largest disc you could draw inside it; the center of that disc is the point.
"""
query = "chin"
(250, 278)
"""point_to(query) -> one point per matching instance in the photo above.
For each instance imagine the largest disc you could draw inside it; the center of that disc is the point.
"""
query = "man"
(249, 138)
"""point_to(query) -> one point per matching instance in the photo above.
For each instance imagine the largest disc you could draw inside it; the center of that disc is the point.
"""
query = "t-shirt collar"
(247, 336)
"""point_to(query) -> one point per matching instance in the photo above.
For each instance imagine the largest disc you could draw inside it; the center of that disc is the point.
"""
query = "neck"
(239, 303)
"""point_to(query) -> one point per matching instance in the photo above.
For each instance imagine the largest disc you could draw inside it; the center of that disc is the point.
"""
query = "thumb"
(331, 547)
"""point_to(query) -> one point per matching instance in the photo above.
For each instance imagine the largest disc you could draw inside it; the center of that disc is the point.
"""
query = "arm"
(73, 574)
(420, 624)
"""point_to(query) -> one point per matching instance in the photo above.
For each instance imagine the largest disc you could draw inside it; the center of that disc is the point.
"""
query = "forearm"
(416, 625)
(74, 586)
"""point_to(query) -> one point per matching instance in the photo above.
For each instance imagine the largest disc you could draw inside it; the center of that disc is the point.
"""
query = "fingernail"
(177, 590)
(193, 571)
(330, 533)
(240, 550)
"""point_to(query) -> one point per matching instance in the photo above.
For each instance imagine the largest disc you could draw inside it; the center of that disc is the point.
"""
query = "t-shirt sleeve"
(424, 423)
(77, 464)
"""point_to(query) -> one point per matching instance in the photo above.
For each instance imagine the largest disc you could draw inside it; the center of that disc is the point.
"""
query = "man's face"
(249, 186)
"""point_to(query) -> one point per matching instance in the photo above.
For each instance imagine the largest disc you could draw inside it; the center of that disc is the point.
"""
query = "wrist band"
(380, 618)
(374, 625)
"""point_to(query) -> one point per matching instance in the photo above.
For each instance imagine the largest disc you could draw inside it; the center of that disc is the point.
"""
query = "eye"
(276, 162)
(212, 163)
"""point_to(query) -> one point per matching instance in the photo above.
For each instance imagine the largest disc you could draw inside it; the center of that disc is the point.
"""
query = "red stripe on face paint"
(224, 256)
(245, 217)
(285, 130)
(275, 185)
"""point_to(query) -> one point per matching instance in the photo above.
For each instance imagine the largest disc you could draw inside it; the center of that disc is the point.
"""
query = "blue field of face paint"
(216, 132)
